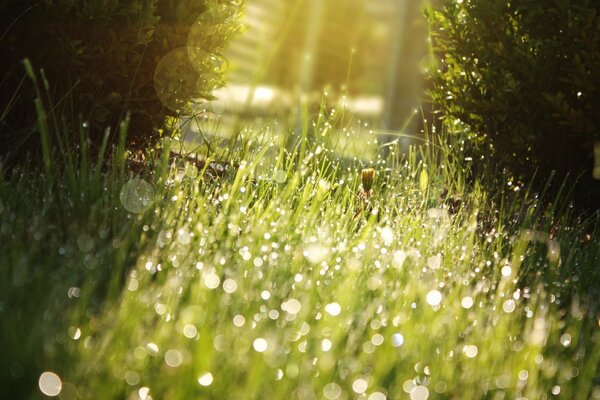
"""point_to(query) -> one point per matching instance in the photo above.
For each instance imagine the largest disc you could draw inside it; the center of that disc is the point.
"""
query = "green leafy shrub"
(523, 75)
(103, 58)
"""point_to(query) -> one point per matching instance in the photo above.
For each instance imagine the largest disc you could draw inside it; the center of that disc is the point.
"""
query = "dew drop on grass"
(399, 257)
(470, 351)
(212, 281)
(315, 253)
(467, 302)
(419, 393)
(152, 348)
(397, 340)
(144, 393)
(373, 283)
(360, 386)
(74, 333)
(523, 375)
(332, 391)
(333, 309)
(260, 345)
(377, 339)
(292, 306)
(206, 379)
(239, 320)
(230, 286)
(408, 386)
(280, 176)
(136, 196)
(387, 235)
(434, 262)
(173, 358)
(85, 243)
(184, 237)
(377, 396)
(132, 378)
(50, 384)
(509, 306)
(434, 298)
(565, 340)
(190, 331)
(326, 345)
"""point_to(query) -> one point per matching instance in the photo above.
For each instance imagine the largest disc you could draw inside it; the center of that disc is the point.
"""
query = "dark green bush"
(524, 76)
(103, 58)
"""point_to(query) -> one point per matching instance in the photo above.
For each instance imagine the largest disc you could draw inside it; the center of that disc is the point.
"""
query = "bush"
(523, 75)
(103, 58)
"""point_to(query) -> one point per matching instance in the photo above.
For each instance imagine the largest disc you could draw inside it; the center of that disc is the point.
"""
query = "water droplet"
(173, 358)
(387, 235)
(434, 262)
(399, 257)
(360, 386)
(419, 393)
(377, 339)
(229, 286)
(190, 331)
(467, 302)
(408, 386)
(333, 309)
(509, 306)
(152, 348)
(523, 375)
(183, 236)
(434, 298)
(470, 351)
(315, 253)
(206, 379)
(50, 384)
(397, 340)
(136, 196)
(260, 345)
(132, 378)
(377, 396)
(239, 320)
(85, 243)
(212, 281)
(280, 176)
(565, 340)
(292, 306)
(332, 391)
(326, 345)
(74, 333)
(144, 393)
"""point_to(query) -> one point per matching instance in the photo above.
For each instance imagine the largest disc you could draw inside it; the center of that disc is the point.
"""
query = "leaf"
(423, 180)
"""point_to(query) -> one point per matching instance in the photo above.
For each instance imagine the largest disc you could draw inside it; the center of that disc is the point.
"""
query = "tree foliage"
(103, 58)
(523, 75)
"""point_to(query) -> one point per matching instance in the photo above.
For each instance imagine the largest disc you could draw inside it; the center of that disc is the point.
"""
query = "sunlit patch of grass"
(280, 281)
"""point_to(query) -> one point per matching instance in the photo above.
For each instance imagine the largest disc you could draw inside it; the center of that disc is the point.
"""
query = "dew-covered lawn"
(282, 279)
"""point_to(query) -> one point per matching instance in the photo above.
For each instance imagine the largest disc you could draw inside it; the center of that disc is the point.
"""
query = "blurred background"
(363, 58)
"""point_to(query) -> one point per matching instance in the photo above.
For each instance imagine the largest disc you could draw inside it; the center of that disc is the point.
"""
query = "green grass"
(278, 281)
